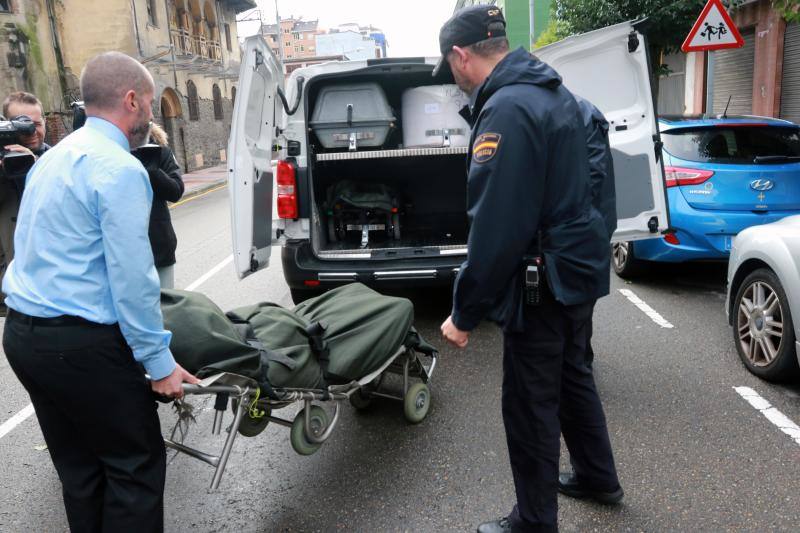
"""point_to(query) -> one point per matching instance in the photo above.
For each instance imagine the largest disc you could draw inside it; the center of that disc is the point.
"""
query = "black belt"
(56, 321)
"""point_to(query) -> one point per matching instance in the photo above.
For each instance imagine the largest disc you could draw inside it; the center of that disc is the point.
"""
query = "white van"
(608, 67)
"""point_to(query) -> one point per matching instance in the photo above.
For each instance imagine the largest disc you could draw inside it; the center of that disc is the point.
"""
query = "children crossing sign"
(714, 30)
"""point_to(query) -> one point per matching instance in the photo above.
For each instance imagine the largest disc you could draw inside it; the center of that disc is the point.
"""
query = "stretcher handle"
(189, 388)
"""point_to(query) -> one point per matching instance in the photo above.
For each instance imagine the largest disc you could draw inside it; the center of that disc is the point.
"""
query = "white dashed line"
(15, 420)
(26, 412)
(772, 414)
(646, 309)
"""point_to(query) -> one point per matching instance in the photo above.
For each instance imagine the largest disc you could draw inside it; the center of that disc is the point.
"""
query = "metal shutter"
(790, 91)
(733, 76)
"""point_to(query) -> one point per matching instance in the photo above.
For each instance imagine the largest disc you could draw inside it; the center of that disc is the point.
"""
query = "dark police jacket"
(601, 164)
(167, 187)
(528, 173)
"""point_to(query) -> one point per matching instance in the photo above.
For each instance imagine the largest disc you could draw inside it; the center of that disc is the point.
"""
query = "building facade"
(350, 44)
(189, 46)
(518, 18)
(295, 40)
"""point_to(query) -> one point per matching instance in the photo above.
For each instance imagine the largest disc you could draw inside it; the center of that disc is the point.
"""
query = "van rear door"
(609, 67)
(250, 176)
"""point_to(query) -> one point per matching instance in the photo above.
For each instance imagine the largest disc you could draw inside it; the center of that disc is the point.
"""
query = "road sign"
(714, 30)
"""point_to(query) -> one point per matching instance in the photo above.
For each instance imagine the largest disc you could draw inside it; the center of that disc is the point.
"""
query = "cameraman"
(15, 105)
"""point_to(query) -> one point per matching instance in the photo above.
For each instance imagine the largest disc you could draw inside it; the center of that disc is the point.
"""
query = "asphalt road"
(693, 455)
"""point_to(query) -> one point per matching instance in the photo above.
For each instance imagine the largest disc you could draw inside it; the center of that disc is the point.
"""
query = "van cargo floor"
(354, 244)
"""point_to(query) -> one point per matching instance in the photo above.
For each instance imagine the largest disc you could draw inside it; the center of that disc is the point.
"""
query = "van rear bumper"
(302, 270)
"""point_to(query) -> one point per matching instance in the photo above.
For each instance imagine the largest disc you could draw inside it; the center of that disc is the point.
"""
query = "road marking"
(772, 414)
(205, 277)
(196, 196)
(646, 309)
(26, 412)
(16, 420)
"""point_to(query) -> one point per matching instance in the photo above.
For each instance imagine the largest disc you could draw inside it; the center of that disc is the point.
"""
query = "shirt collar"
(109, 130)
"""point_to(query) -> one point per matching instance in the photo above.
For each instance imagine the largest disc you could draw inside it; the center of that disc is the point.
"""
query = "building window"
(194, 104)
(228, 37)
(233, 96)
(296, 35)
(151, 12)
(5, 6)
(217, 102)
(296, 48)
(302, 48)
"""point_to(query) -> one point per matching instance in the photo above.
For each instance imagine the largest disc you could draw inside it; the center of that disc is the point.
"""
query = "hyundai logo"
(762, 185)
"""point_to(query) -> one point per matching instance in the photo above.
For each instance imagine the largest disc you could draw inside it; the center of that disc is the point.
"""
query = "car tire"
(623, 259)
(301, 295)
(763, 330)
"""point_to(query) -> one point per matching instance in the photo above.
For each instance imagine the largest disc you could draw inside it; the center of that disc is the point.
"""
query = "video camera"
(15, 164)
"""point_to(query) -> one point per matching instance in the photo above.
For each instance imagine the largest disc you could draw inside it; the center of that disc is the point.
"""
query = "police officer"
(538, 258)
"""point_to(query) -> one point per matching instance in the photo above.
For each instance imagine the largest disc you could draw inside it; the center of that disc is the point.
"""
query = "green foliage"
(555, 31)
(788, 9)
(669, 22)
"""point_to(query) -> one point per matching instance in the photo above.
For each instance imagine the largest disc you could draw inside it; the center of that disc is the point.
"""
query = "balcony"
(182, 41)
(200, 46)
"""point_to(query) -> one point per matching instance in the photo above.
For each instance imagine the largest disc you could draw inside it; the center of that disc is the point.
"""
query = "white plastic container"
(431, 119)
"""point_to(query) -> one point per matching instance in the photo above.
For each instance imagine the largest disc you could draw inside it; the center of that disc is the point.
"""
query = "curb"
(200, 190)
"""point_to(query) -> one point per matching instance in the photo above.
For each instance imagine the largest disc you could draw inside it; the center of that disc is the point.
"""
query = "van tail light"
(672, 239)
(287, 190)
(677, 176)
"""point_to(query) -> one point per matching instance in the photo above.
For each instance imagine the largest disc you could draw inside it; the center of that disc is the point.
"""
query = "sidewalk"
(200, 181)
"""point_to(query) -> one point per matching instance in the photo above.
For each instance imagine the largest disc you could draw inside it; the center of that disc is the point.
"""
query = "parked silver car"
(764, 295)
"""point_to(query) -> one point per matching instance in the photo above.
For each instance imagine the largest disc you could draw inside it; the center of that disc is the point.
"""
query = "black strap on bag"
(247, 334)
(316, 339)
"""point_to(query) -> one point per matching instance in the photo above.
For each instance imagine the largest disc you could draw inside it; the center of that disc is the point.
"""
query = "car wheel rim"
(760, 323)
(620, 254)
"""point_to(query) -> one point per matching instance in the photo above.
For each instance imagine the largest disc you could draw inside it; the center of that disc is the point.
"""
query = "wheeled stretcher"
(256, 385)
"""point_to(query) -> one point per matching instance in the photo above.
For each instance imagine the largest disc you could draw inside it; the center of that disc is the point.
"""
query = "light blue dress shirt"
(81, 244)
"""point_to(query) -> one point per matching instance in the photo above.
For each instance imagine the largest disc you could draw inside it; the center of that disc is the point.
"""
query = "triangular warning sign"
(714, 30)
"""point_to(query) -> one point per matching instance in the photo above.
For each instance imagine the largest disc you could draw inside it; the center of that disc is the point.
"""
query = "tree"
(668, 24)
(789, 9)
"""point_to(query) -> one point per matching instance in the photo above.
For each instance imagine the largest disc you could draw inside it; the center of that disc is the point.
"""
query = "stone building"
(189, 46)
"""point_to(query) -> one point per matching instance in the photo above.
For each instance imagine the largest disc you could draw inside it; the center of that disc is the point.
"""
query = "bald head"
(117, 88)
(108, 77)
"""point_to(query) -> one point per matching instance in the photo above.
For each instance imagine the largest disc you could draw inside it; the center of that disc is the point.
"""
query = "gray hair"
(490, 47)
(107, 77)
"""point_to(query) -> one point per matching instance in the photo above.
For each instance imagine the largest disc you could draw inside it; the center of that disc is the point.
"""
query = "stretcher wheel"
(360, 399)
(249, 426)
(417, 402)
(297, 436)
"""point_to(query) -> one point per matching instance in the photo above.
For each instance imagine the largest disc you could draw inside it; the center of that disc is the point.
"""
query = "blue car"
(722, 175)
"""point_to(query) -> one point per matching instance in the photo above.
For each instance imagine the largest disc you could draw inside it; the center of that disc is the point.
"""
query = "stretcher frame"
(243, 391)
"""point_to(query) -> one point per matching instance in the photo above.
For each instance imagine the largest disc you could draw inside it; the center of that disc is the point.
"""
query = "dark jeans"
(548, 390)
(99, 421)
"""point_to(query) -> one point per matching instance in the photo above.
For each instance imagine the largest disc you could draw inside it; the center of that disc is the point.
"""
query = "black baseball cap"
(469, 26)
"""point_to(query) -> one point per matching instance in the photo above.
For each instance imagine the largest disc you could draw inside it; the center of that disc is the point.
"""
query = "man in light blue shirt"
(84, 308)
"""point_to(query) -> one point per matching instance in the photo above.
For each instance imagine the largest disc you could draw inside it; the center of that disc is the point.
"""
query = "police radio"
(534, 275)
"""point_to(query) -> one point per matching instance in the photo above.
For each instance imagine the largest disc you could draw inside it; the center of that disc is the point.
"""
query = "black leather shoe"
(501, 525)
(569, 486)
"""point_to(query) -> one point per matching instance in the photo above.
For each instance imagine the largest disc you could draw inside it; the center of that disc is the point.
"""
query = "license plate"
(368, 227)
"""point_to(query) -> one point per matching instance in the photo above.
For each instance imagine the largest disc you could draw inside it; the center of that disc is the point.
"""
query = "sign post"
(714, 30)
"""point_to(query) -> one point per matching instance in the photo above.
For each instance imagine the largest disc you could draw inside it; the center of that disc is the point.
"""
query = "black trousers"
(548, 390)
(99, 421)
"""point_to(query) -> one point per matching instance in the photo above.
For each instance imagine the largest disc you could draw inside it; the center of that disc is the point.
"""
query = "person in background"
(16, 105)
(601, 178)
(167, 184)
(84, 311)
